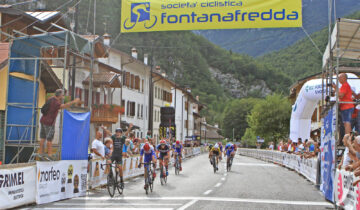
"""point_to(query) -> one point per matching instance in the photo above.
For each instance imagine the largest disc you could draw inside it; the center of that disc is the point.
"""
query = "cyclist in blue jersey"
(177, 151)
(229, 151)
(221, 149)
(148, 153)
(163, 153)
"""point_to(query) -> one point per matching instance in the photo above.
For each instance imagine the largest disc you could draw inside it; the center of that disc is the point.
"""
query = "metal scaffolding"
(22, 108)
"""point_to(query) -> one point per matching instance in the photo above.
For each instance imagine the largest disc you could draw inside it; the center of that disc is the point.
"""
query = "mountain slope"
(257, 42)
(302, 59)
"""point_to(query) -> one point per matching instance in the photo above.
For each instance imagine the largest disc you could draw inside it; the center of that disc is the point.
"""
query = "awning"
(345, 41)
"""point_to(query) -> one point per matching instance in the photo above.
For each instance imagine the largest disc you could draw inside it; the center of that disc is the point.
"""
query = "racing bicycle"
(113, 179)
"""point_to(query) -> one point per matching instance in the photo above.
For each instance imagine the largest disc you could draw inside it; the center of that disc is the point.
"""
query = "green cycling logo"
(140, 13)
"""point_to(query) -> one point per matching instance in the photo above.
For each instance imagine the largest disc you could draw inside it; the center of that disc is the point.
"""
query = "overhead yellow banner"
(176, 15)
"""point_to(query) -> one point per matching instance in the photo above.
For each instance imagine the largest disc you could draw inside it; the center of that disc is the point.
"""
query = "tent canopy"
(346, 38)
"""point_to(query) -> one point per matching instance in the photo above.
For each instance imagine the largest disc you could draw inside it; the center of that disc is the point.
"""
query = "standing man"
(345, 95)
(118, 142)
(97, 146)
(47, 121)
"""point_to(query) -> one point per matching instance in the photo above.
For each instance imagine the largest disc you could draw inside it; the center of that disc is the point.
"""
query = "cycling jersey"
(215, 151)
(163, 150)
(147, 155)
(177, 148)
(229, 149)
(118, 143)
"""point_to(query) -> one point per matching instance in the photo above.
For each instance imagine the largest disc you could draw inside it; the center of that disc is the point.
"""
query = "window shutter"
(137, 83)
(171, 97)
(86, 98)
(97, 98)
(142, 85)
(128, 77)
(132, 81)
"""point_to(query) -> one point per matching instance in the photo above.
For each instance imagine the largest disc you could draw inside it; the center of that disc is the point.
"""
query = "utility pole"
(233, 135)
(73, 73)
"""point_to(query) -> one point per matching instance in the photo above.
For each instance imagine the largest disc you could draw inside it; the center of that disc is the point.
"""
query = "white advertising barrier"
(196, 151)
(98, 174)
(60, 180)
(17, 186)
(306, 167)
(346, 195)
(130, 167)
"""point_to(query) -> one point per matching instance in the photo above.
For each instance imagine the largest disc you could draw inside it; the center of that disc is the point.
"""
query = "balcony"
(106, 113)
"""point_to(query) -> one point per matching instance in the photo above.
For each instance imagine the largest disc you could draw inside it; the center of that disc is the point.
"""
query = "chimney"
(146, 56)
(134, 53)
(158, 69)
(107, 39)
(163, 74)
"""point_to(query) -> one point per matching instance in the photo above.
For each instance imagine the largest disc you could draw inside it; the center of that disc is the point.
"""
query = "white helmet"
(216, 146)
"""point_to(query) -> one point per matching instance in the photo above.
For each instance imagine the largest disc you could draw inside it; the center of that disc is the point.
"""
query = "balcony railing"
(106, 113)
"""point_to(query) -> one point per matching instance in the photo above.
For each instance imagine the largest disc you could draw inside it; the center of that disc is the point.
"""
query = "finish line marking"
(187, 205)
(255, 164)
(110, 204)
(241, 200)
(95, 208)
(218, 185)
(207, 192)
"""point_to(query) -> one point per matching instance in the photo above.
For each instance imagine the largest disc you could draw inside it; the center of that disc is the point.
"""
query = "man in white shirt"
(98, 148)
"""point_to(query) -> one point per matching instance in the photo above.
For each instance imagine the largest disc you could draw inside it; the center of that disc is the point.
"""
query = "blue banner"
(328, 155)
(75, 137)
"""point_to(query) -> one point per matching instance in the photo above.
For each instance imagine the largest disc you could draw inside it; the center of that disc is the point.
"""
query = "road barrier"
(307, 167)
(17, 186)
(346, 195)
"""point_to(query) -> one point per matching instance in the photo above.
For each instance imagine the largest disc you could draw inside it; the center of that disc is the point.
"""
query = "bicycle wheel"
(162, 176)
(147, 179)
(119, 185)
(151, 184)
(111, 183)
(214, 164)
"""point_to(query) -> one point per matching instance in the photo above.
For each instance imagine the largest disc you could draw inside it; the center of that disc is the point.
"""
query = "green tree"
(249, 138)
(235, 115)
(270, 118)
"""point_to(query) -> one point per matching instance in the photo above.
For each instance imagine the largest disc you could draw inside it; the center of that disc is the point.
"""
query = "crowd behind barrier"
(307, 167)
(45, 182)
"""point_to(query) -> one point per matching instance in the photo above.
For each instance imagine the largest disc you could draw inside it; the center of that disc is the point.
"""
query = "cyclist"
(177, 151)
(229, 151)
(215, 151)
(164, 149)
(118, 142)
(221, 149)
(149, 156)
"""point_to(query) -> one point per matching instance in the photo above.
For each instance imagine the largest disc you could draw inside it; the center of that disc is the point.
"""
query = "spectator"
(280, 146)
(345, 95)
(108, 147)
(98, 148)
(131, 141)
(289, 145)
(136, 146)
(47, 121)
(301, 146)
(347, 156)
(271, 146)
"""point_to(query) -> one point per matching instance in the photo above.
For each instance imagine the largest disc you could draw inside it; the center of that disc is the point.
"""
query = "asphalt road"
(252, 184)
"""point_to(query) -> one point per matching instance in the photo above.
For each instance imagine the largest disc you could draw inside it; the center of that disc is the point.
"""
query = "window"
(186, 106)
(123, 103)
(128, 108)
(155, 92)
(186, 124)
(132, 109)
(138, 111)
(142, 111)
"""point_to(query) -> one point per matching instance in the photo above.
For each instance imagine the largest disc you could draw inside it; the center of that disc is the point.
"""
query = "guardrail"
(307, 167)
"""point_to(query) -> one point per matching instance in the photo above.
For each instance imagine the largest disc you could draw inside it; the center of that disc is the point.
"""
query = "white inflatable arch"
(305, 105)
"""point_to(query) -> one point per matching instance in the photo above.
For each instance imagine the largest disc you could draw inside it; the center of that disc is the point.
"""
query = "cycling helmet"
(147, 147)
(216, 146)
(162, 142)
(228, 145)
(118, 130)
(177, 142)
